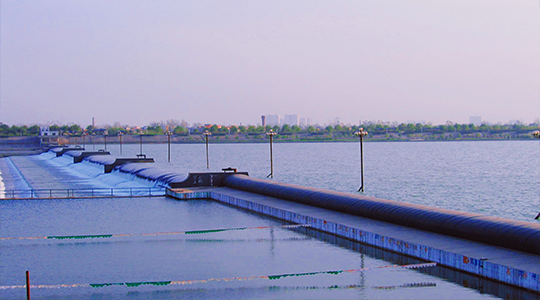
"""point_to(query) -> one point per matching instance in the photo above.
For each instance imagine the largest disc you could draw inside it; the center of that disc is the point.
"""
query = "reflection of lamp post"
(271, 135)
(361, 133)
(206, 134)
(120, 133)
(168, 133)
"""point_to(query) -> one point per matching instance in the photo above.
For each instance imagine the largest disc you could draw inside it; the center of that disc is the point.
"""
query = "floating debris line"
(97, 236)
(196, 281)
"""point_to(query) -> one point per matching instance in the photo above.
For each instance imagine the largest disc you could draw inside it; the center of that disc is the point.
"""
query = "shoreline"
(228, 141)
(158, 139)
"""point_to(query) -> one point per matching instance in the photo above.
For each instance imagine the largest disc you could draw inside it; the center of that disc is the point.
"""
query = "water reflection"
(482, 285)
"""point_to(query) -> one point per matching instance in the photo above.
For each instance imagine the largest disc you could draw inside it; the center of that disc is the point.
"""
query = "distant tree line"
(334, 130)
(373, 129)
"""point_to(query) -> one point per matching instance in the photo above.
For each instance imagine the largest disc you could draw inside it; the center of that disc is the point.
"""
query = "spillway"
(496, 248)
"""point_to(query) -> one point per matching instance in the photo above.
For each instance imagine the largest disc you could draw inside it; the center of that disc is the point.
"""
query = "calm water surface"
(495, 178)
(189, 257)
(492, 178)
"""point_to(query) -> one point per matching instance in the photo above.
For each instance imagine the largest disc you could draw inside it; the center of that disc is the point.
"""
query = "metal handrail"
(82, 193)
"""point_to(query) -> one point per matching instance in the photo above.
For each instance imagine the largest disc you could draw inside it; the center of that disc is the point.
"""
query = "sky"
(229, 62)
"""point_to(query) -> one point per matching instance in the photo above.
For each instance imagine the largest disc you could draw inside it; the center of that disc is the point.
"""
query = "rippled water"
(495, 178)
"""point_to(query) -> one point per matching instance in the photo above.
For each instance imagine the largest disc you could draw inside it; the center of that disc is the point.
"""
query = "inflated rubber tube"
(431, 218)
(524, 237)
(73, 153)
(534, 241)
(402, 213)
(101, 159)
(473, 228)
(484, 227)
(518, 235)
(348, 205)
(410, 213)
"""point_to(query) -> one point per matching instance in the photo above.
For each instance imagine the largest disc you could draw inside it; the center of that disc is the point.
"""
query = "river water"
(492, 178)
(495, 178)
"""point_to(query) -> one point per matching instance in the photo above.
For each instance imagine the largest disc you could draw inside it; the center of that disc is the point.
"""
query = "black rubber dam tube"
(517, 235)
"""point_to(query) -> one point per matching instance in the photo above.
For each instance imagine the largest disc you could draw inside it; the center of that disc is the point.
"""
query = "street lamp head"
(271, 133)
(361, 132)
(536, 134)
(207, 133)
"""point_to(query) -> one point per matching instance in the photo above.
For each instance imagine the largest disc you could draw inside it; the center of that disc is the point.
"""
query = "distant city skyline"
(276, 120)
(64, 61)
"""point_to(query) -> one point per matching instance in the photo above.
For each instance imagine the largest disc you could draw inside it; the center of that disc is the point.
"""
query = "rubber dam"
(498, 249)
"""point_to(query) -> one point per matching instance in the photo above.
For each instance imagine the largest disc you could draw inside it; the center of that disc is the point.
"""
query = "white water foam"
(2, 187)
(18, 179)
(94, 173)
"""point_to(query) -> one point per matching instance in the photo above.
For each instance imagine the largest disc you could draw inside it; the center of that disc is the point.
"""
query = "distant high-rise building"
(291, 120)
(302, 123)
(476, 120)
(309, 122)
(272, 120)
(263, 121)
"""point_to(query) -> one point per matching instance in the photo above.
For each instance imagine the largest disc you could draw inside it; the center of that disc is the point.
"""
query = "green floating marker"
(205, 231)
(80, 236)
(334, 272)
(274, 277)
(104, 284)
(132, 284)
(158, 283)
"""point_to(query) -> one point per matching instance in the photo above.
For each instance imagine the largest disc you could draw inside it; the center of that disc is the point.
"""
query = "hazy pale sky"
(231, 61)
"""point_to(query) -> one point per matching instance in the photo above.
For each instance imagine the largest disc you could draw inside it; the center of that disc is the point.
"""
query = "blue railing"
(82, 193)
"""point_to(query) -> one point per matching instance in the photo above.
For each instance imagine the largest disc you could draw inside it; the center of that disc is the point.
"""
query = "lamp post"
(105, 140)
(120, 133)
(536, 134)
(206, 134)
(93, 144)
(361, 133)
(84, 139)
(168, 133)
(271, 135)
(140, 142)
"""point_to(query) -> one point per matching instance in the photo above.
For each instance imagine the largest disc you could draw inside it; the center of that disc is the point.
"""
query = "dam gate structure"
(498, 249)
